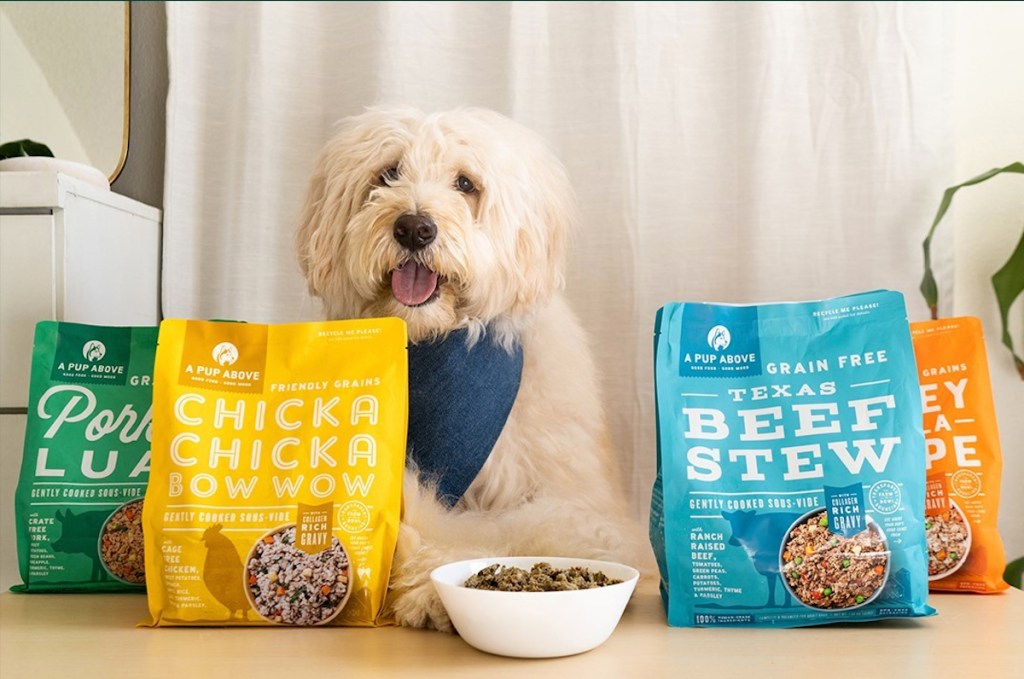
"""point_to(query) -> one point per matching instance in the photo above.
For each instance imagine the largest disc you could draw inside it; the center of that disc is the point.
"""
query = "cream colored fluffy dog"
(487, 254)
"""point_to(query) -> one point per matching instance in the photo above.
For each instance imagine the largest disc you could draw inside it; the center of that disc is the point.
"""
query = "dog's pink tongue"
(412, 283)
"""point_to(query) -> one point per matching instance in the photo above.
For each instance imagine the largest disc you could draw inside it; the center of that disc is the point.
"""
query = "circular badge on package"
(885, 497)
(353, 517)
(965, 483)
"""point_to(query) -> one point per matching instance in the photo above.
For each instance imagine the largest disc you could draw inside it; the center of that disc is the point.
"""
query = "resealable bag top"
(78, 505)
(279, 452)
(964, 462)
(790, 486)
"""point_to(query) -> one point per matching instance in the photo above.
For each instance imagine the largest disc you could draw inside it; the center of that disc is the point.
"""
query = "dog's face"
(451, 220)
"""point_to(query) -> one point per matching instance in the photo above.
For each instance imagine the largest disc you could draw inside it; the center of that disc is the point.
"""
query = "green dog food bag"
(78, 506)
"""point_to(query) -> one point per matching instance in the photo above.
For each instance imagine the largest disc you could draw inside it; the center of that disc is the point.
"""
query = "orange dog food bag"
(964, 463)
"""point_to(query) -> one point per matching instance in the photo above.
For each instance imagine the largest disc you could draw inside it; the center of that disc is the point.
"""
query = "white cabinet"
(26, 296)
(70, 252)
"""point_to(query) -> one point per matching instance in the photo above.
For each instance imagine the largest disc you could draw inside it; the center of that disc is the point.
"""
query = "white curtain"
(722, 152)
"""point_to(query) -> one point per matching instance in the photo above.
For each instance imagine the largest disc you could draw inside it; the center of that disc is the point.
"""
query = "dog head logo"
(94, 350)
(719, 338)
(225, 353)
(223, 356)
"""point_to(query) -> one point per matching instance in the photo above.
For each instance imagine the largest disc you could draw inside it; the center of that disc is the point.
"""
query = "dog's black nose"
(415, 231)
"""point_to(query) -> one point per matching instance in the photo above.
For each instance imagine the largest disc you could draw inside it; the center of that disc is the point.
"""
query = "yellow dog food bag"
(275, 484)
(965, 552)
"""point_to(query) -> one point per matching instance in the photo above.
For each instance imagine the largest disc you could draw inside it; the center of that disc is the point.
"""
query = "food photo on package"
(790, 486)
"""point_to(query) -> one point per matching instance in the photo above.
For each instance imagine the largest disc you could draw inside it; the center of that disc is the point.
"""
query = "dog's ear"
(541, 208)
(334, 194)
(321, 223)
(339, 185)
(544, 235)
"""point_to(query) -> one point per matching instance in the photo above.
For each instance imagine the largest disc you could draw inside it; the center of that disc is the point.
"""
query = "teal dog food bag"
(78, 506)
(791, 463)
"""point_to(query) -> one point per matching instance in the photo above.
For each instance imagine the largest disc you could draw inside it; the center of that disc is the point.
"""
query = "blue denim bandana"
(459, 400)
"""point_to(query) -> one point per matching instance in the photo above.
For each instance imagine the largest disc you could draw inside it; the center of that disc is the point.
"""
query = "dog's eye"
(389, 175)
(464, 184)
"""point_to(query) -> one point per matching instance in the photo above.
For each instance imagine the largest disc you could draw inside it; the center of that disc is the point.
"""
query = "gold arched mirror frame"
(127, 124)
(65, 71)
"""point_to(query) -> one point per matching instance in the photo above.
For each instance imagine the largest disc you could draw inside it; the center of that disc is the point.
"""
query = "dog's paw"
(420, 606)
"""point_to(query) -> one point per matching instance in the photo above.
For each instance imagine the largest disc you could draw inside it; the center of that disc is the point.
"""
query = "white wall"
(29, 104)
(77, 52)
(988, 87)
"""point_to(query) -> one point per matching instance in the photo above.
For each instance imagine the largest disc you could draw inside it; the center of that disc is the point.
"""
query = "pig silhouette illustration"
(79, 535)
(760, 536)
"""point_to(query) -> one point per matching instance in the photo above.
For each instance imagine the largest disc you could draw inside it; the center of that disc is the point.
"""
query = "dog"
(459, 221)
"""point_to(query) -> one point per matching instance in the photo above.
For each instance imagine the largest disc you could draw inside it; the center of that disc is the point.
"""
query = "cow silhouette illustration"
(760, 536)
(79, 534)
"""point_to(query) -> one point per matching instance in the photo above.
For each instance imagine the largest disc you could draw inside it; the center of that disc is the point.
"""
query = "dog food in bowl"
(287, 585)
(949, 541)
(826, 570)
(542, 577)
(526, 624)
(121, 544)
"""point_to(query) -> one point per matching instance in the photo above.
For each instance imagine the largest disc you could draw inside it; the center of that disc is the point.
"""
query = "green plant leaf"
(1009, 285)
(929, 288)
(24, 147)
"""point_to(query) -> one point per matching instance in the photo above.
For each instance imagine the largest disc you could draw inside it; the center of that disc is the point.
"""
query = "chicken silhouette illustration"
(222, 572)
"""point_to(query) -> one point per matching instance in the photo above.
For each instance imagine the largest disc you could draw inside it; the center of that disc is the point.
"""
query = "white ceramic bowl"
(534, 624)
